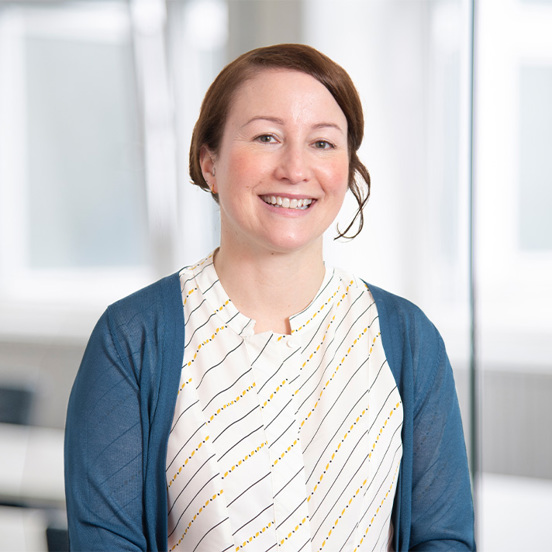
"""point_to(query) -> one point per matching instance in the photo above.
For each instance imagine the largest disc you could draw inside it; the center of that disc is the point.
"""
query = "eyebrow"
(326, 125)
(279, 121)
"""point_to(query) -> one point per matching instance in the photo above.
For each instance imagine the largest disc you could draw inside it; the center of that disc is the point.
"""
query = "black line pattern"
(282, 441)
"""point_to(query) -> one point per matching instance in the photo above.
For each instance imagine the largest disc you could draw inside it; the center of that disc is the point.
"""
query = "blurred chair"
(58, 539)
(16, 402)
(57, 536)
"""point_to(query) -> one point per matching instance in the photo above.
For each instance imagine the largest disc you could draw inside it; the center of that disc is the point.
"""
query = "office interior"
(97, 103)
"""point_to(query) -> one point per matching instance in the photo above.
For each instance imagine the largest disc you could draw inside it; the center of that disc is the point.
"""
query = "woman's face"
(282, 169)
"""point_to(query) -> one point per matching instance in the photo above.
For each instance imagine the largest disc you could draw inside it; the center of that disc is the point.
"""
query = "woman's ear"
(208, 169)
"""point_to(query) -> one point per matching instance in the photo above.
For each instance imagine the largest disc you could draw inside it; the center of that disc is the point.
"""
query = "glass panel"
(513, 185)
(535, 147)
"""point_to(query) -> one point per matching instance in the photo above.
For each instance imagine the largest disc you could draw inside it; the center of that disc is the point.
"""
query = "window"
(94, 192)
(72, 181)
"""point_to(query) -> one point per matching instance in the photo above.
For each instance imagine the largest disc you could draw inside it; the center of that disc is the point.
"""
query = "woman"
(258, 399)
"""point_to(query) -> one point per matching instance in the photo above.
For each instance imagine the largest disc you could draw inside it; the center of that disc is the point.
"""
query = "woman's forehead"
(284, 93)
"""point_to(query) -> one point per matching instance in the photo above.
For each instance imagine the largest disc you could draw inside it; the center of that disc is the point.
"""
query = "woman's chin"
(294, 244)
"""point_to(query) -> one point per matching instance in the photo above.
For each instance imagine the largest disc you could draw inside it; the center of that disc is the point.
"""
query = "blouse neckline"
(210, 287)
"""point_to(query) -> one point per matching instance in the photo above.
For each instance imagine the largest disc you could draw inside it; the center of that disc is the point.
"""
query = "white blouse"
(278, 441)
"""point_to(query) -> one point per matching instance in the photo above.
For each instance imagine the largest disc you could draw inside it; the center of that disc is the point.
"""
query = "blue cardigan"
(122, 404)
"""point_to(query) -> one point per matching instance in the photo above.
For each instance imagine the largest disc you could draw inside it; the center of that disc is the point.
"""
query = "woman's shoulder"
(150, 301)
(405, 327)
(397, 314)
(148, 316)
(398, 311)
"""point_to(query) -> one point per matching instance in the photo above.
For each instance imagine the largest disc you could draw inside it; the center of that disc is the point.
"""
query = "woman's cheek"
(336, 176)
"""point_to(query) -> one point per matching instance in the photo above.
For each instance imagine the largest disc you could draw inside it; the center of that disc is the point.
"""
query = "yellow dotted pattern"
(351, 282)
(250, 455)
(327, 328)
(378, 509)
(219, 410)
(381, 430)
(207, 502)
(360, 335)
(225, 304)
(318, 347)
(281, 457)
(194, 289)
(335, 452)
(188, 295)
(201, 345)
(253, 537)
(201, 263)
(324, 305)
(293, 531)
(343, 513)
(184, 385)
(273, 393)
(187, 460)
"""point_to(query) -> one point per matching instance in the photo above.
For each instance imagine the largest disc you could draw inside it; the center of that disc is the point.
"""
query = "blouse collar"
(210, 287)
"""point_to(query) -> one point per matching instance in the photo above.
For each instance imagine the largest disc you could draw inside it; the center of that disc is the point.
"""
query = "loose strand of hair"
(361, 200)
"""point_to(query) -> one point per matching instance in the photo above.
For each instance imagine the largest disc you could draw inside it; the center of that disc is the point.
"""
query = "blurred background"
(97, 103)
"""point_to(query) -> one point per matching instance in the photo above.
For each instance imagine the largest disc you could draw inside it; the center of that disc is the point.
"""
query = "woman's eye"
(265, 139)
(323, 144)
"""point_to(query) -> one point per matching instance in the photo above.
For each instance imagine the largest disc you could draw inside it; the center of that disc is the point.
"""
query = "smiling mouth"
(287, 203)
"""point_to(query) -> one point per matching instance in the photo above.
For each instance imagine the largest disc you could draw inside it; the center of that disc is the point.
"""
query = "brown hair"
(297, 57)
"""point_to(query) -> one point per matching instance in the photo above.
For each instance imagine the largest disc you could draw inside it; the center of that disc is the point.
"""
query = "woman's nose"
(293, 165)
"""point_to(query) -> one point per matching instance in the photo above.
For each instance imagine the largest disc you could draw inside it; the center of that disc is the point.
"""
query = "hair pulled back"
(216, 105)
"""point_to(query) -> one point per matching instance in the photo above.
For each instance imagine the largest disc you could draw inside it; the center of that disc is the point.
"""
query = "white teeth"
(287, 203)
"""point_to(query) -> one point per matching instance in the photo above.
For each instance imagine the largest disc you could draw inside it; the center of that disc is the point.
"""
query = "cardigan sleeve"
(433, 506)
(118, 420)
(442, 510)
(103, 449)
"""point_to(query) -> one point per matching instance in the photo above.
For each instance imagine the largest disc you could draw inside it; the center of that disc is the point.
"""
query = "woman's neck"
(272, 287)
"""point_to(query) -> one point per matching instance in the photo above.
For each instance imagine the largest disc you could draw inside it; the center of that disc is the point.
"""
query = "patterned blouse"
(282, 441)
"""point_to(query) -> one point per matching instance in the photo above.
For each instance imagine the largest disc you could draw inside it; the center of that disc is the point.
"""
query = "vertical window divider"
(149, 23)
